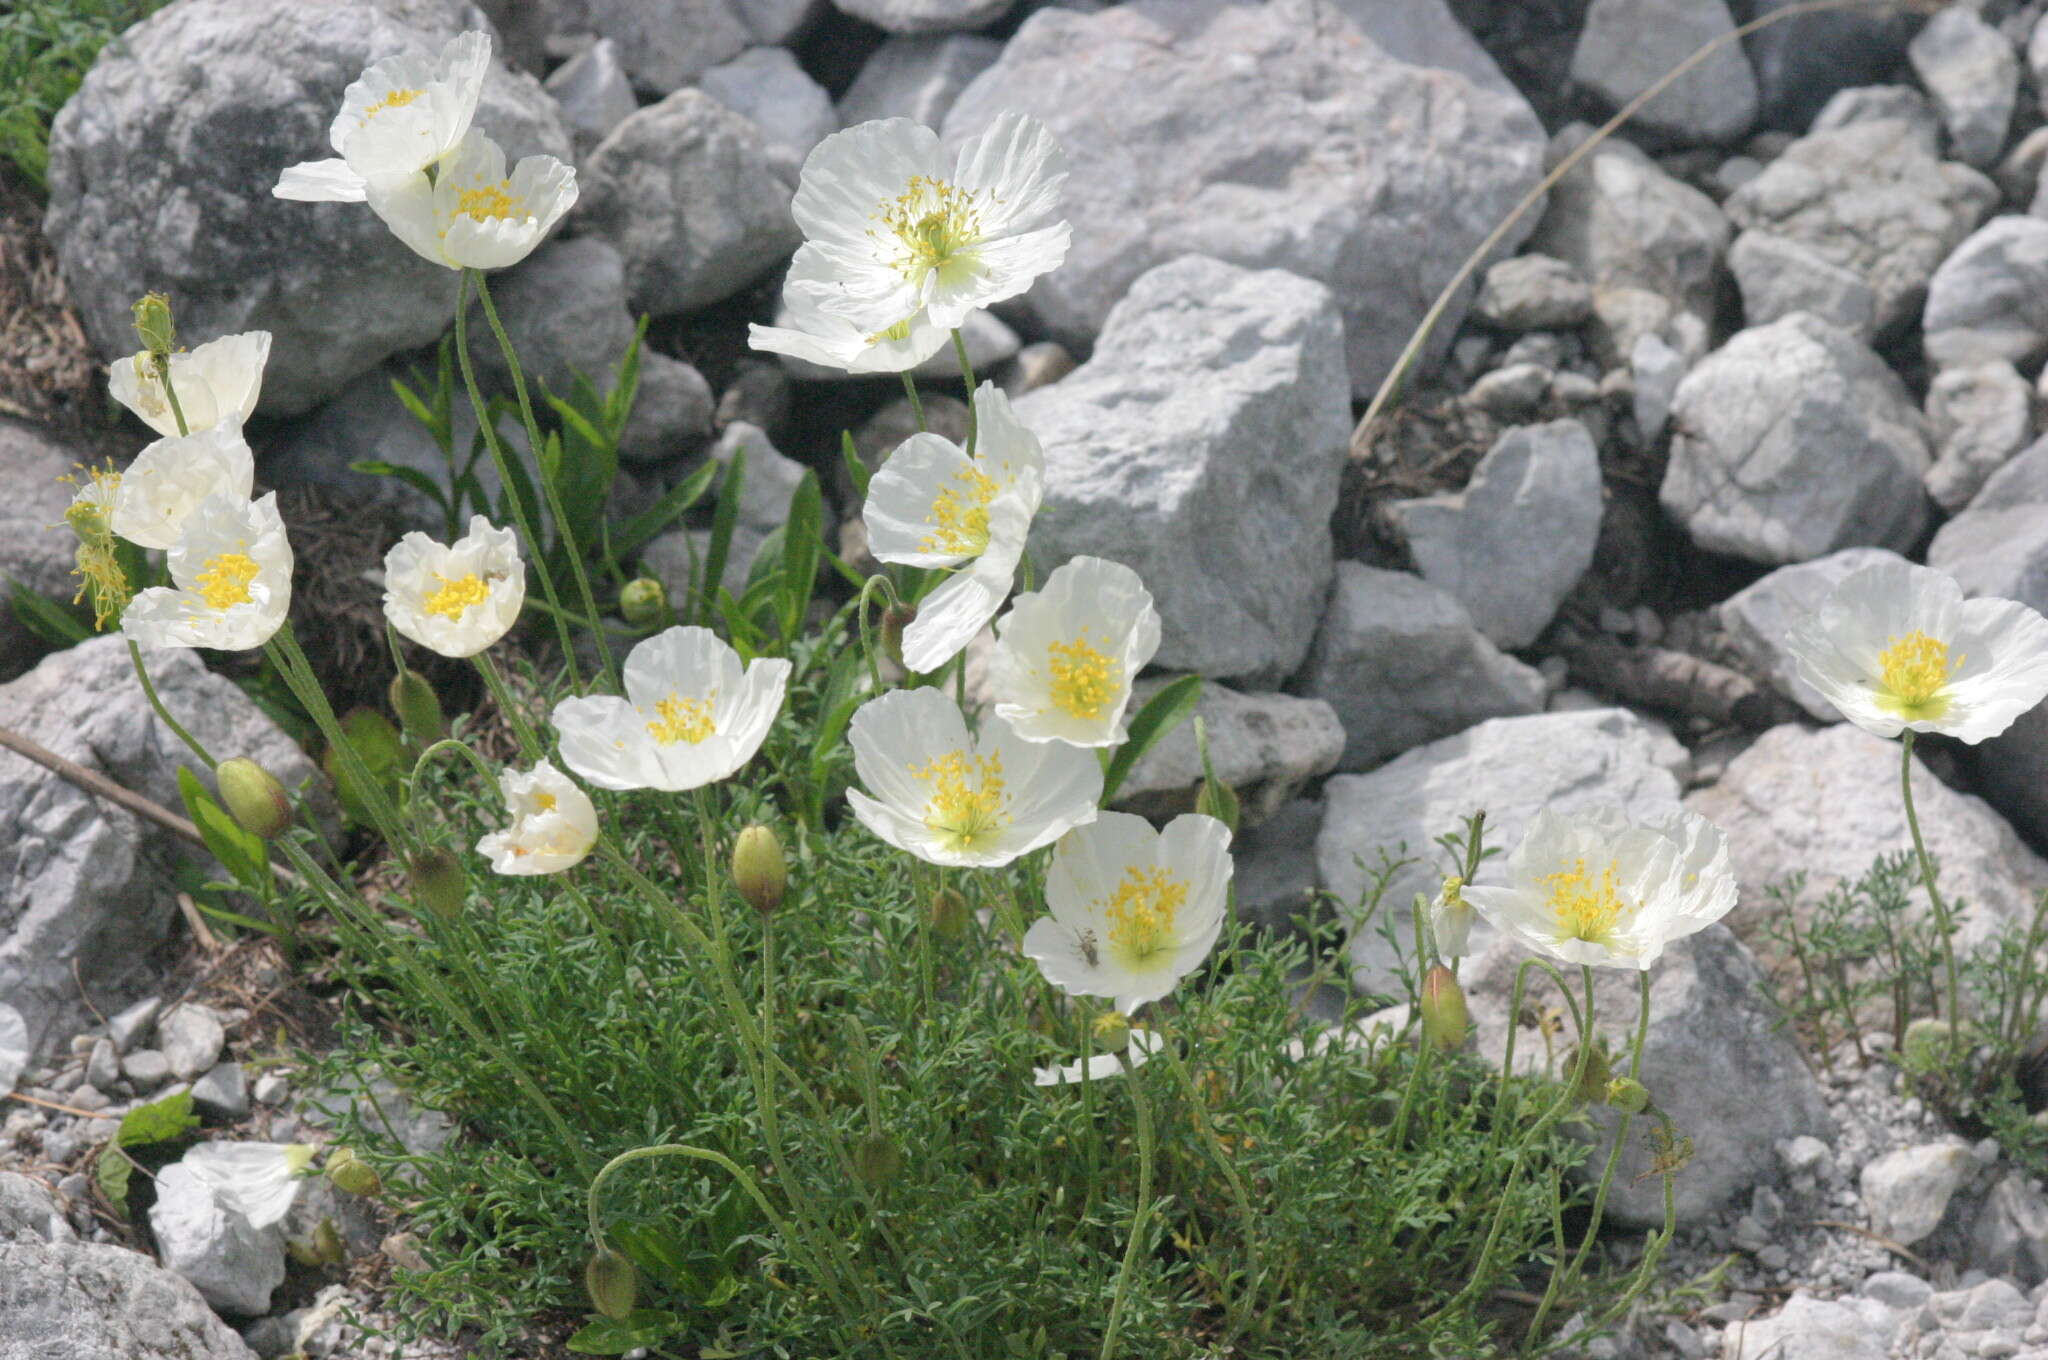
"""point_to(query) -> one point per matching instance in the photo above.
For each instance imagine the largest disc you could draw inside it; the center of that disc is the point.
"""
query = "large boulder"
(1716, 1060)
(161, 168)
(87, 891)
(1508, 767)
(1989, 300)
(925, 16)
(1514, 542)
(36, 549)
(1265, 746)
(1826, 803)
(1627, 46)
(1274, 136)
(1401, 663)
(1202, 447)
(793, 111)
(1998, 545)
(1974, 75)
(688, 193)
(1794, 440)
(1874, 198)
(665, 44)
(1980, 415)
(916, 77)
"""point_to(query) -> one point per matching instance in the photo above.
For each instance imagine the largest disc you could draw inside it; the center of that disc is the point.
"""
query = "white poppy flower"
(900, 230)
(1133, 910)
(930, 505)
(472, 215)
(1594, 888)
(1896, 646)
(822, 337)
(951, 799)
(1065, 655)
(400, 116)
(233, 569)
(1144, 1043)
(553, 823)
(259, 1181)
(459, 598)
(216, 384)
(1450, 920)
(170, 477)
(690, 717)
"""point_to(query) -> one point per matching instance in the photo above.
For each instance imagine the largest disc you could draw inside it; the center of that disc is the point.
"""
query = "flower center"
(935, 225)
(1084, 681)
(899, 331)
(967, 800)
(1587, 909)
(960, 515)
(455, 597)
(488, 202)
(1141, 912)
(397, 99)
(225, 582)
(679, 719)
(1912, 672)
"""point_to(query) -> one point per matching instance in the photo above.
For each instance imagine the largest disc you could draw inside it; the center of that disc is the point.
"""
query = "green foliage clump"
(46, 47)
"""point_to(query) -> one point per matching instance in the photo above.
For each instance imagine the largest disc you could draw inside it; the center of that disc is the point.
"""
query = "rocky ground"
(1791, 321)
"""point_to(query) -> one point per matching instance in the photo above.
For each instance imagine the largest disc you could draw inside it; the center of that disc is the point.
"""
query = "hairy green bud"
(154, 325)
(877, 1161)
(1445, 1020)
(1628, 1095)
(758, 868)
(949, 914)
(346, 1171)
(417, 706)
(611, 1282)
(642, 601)
(258, 802)
(439, 882)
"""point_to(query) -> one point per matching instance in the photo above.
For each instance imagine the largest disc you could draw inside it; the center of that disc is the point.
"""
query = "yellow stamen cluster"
(225, 582)
(1587, 909)
(960, 515)
(679, 719)
(546, 801)
(1084, 680)
(899, 331)
(456, 597)
(97, 564)
(488, 202)
(967, 799)
(1142, 910)
(1912, 672)
(397, 99)
(934, 224)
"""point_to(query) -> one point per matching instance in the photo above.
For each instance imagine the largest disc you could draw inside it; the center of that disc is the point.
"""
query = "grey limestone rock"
(664, 44)
(1758, 619)
(86, 1301)
(1974, 75)
(676, 556)
(1513, 543)
(1533, 293)
(916, 77)
(926, 16)
(1980, 416)
(1627, 46)
(1265, 746)
(1809, 1328)
(793, 111)
(222, 1095)
(1907, 1191)
(1867, 103)
(1989, 300)
(1655, 369)
(1201, 446)
(1275, 875)
(2010, 1236)
(564, 308)
(1998, 544)
(191, 1037)
(1779, 276)
(36, 550)
(593, 93)
(671, 416)
(1802, 61)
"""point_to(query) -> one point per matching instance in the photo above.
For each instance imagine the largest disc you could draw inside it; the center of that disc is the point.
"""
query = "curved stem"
(563, 527)
(162, 713)
(1943, 925)
(1140, 1217)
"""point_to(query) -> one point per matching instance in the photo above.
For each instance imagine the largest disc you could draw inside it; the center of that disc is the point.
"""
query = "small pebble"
(222, 1095)
(103, 1068)
(272, 1088)
(146, 1069)
(128, 1028)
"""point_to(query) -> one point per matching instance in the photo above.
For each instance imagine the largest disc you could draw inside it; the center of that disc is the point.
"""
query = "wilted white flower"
(813, 333)
(459, 598)
(1133, 910)
(259, 1181)
(170, 477)
(471, 214)
(1896, 646)
(1450, 920)
(1595, 888)
(931, 505)
(233, 569)
(899, 228)
(691, 715)
(1065, 655)
(1143, 1044)
(400, 116)
(216, 384)
(553, 823)
(952, 799)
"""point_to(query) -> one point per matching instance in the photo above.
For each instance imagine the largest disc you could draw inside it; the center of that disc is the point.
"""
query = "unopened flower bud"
(1111, 1032)
(611, 1282)
(895, 619)
(351, 1173)
(1628, 1095)
(417, 706)
(1592, 1087)
(949, 914)
(877, 1161)
(258, 802)
(1445, 1020)
(1217, 799)
(327, 1245)
(758, 869)
(154, 326)
(439, 883)
(642, 601)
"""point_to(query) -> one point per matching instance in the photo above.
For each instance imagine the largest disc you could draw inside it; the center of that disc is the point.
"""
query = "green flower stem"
(566, 530)
(285, 653)
(162, 362)
(1425, 1051)
(520, 510)
(916, 405)
(966, 376)
(162, 713)
(347, 905)
(1247, 1221)
(1140, 1216)
(1943, 923)
(419, 768)
(494, 680)
(1562, 1277)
